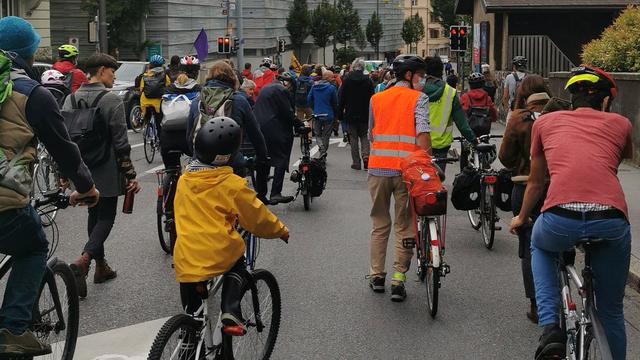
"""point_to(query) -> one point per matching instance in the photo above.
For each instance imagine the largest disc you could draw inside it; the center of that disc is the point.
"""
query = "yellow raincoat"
(155, 103)
(207, 205)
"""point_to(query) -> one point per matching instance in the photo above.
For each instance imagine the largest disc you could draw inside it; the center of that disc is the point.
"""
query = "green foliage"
(374, 31)
(413, 29)
(444, 12)
(361, 39)
(323, 25)
(123, 17)
(347, 22)
(345, 56)
(618, 49)
(298, 23)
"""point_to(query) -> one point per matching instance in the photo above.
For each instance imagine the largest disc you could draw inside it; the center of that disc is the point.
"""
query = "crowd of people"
(385, 115)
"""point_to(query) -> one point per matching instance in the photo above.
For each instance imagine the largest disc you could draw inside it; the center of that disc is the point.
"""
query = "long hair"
(222, 71)
(530, 85)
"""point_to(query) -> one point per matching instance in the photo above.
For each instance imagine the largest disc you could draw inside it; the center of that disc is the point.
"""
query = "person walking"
(323, 99)
(67, 65)
(355, 96)
(399, 125)
(303, 87)
(112, 177)
(248, 89)
(490, 82)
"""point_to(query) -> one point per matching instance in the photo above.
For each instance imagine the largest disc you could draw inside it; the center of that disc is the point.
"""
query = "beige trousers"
(381, 189)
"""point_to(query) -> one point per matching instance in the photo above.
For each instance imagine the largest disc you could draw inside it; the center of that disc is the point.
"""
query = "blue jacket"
(323, 99)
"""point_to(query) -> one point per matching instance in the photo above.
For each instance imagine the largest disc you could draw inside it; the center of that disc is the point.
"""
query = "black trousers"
(262, 177)
(101, 218)
(441, 153)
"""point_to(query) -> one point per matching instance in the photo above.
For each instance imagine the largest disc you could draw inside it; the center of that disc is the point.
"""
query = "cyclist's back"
(152, 86)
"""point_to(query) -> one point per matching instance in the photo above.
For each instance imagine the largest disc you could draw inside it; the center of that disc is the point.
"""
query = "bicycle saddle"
(484, 148)
(588, 242)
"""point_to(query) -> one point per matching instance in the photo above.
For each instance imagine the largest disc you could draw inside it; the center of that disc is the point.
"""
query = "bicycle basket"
(431, 203)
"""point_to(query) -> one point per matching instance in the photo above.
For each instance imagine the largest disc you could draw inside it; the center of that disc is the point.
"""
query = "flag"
(202, 45)
(296, 65)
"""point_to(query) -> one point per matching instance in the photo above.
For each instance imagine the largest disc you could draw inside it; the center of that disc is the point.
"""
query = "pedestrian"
(111, 176)
(246, 73)
(174, 68)
(248, 89)
(67, 64)
(303, 87)
(514, 154)
(399, 125)
(445, 110)
(323, 99)
(386, 77)
(28, 114)
(512, 82)
(355, 96)
(490, 83)
(452, 80)
(275, 115)
(448, 68)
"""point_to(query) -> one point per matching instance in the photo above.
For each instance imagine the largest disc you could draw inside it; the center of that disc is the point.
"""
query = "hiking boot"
(25, 345)
(80, 270)
(279, 199)
(552, 344)
(398, 292)
(356, 167)
(103, 272)
(366, 163)
(376, 283)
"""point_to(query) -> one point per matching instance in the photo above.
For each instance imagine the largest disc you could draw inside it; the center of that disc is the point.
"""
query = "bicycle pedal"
(409, 243)
(234, 330)
(446, 269)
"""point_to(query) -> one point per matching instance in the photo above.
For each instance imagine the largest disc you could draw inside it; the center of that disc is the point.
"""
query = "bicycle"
(45, 179)
(150, 136)
(586, 338)
(430, 244)
(56, 313)
(485, 217)
(301, 175)
(167, 185)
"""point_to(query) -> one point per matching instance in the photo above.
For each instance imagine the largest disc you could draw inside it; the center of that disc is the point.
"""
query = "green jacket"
(434, 88)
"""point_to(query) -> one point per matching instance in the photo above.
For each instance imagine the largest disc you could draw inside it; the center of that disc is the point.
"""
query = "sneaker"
(232, 325)
(279, 199)
(552, 344)
(398, 292)
(25, 345)
(346, 139)
(376, 283)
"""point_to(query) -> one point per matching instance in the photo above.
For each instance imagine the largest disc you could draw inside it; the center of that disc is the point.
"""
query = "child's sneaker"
(232, 325)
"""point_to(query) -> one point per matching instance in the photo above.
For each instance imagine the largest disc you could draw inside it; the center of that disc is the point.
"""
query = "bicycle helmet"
(52, 77)
(285, 76)
(189, 60)
(67, 51)
(520, 61)
(217, 141)
(587, 78)
(405, 63)
(476, 78)
(156, 60)
(266, 62)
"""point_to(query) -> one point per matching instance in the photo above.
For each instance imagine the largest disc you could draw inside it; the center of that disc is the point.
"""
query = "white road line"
(136, 145)
(314, 150)
(152, 171)
(342, 144)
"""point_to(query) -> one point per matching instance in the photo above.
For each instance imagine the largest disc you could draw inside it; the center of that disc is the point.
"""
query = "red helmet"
(189, 60)
(591, 77)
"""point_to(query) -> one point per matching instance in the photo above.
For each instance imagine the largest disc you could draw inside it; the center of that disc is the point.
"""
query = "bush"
(618, 49)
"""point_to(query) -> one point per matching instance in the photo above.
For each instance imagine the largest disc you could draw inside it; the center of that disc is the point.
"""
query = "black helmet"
(217, 141)
(520, 61)
(285, 76)
(404, 63)
(475, 78)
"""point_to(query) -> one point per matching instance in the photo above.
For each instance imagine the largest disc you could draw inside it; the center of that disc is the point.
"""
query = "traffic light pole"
(240, 31)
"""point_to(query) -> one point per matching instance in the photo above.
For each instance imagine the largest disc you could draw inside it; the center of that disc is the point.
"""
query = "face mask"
(421, 83)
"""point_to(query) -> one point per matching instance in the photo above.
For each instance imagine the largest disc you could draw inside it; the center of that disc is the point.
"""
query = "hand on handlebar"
(89, 199)
(517, 223)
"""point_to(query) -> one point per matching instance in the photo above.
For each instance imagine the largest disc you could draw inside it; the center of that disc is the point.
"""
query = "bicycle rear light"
(234, 330)
(305, 168)
(490, 179)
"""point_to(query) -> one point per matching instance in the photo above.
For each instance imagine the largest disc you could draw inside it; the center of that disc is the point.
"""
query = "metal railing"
(543, 54)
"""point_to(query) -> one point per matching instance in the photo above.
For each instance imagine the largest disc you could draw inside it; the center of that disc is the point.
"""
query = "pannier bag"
(503, 189)
(318, 176)
(465, 194)
(427, 194)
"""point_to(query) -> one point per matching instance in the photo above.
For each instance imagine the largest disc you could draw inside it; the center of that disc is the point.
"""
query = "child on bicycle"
(210, 201)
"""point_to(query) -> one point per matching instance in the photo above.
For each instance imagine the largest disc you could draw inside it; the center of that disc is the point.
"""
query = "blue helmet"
(156, 60)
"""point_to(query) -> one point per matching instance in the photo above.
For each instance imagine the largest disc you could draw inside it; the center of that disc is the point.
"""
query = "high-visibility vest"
(394, 128)
(440, 120)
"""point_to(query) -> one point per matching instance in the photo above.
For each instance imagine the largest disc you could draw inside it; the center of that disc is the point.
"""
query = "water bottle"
(127, 206)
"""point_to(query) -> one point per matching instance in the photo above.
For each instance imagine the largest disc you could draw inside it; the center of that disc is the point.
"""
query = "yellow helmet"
(67, 51)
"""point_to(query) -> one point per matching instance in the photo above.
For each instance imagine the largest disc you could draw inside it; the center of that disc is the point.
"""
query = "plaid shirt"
(582, 207)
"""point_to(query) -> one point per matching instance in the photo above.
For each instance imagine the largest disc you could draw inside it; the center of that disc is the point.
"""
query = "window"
(8, 8)
(433, 18)
(414, 2)
(434, 33)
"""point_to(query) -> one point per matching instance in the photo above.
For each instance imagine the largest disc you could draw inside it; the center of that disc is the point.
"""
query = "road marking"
(314, 150)
(342, 144)
(153, 171)
(137, 145)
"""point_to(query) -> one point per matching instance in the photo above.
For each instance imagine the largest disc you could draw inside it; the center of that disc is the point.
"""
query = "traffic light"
(227, 45)
(220, 45)
(462, 38)
(458, 37)
(236, 44)
(281, 45)
(453, 37)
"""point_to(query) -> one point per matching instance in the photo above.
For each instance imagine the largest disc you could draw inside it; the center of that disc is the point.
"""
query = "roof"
(466, 6)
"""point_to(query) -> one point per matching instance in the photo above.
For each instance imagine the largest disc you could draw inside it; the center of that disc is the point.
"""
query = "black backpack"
(465, 194)
(302, 90)
(503, 189)
(154, 85)
(318, 176)
(88, 128)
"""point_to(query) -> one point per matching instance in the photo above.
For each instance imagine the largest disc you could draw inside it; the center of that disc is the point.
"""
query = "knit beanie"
(17, 35)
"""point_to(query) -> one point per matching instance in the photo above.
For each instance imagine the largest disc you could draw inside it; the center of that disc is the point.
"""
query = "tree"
(374, 32)
(617, 48)
(444, 11)
(298, 23)
(323, 20)
(412, 30)
(347, 22)
(345, 56)
(361, 39)
(123, 16)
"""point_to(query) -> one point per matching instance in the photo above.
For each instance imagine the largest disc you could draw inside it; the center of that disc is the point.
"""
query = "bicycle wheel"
(474, 218)
(178, 339)
(164, 228)
(306, 198)
(135, 118)
(257, 344)
(60, 330)
(432, 277)
(45, 179)
(596, 345)
(488, 216)
(149, 138)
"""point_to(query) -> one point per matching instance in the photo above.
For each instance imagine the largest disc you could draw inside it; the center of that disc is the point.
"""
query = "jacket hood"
(322, 87)
(63, 66)
(357, 76)
(218, 83)
(477, 94)
(434, 88)
(19, 63)
(155, 71)
(189, 85)
(202, 181)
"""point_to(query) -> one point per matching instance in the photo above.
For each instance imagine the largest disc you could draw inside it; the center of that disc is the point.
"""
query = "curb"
(634, 274)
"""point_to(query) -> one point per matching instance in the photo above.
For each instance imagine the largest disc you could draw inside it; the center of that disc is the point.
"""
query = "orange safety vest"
(394, 127)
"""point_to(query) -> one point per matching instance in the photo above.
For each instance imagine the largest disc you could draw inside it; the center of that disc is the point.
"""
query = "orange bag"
(427, 194)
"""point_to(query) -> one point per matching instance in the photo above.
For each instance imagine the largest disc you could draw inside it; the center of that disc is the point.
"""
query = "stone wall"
(625, 104)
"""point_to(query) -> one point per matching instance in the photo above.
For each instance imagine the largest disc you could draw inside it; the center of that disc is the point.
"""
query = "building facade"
(37, 13)
(435, 41)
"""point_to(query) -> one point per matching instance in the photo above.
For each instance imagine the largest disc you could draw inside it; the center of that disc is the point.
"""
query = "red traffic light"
(226, 40)
(219, 40)
(454, 32)
(462, 31)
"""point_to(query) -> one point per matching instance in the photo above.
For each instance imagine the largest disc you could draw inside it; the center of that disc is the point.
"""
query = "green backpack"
(214, 102)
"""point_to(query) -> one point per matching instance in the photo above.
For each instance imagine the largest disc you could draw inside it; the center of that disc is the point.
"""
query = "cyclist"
(398, 125)
(479, 98)
(152, 87)
(53, 80)
(28, 113)
(588, 144)
(66, 64)
(444, 111)
(208, 244)
(512, 82)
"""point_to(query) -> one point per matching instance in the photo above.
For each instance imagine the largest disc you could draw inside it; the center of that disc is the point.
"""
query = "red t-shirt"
(583, 149)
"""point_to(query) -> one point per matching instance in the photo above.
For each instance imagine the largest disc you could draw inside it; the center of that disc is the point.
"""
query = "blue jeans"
(609, 261)
(22, 237)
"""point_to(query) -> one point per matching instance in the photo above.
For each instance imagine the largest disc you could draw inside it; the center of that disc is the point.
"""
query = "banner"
(202, 45)
(295, 64)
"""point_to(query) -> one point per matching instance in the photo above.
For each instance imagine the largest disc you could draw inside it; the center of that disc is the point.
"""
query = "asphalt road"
(329, 312)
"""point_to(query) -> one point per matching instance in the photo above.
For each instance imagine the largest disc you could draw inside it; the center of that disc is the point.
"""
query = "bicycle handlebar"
(448, 160)
(56, 197)
(487, 137)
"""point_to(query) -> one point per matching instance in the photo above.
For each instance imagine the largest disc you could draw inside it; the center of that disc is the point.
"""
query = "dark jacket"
(249, 98)
(355, 95)
(323, 99)
(111, 176)
(434, 88)
(253, 141)
(303, 82)
(277, 120)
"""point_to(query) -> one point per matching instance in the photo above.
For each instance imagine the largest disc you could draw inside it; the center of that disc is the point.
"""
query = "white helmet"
(52, 77)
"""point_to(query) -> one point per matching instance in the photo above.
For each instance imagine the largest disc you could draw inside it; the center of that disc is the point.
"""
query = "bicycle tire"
(135, 118)
(596, 345)
(175, 326)
(432, 278)
(474, 218)
(45, 180)
(487, 218)
(306, 199)
(149, 143)
(44, 326)
(229, 342)
(163, 236)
